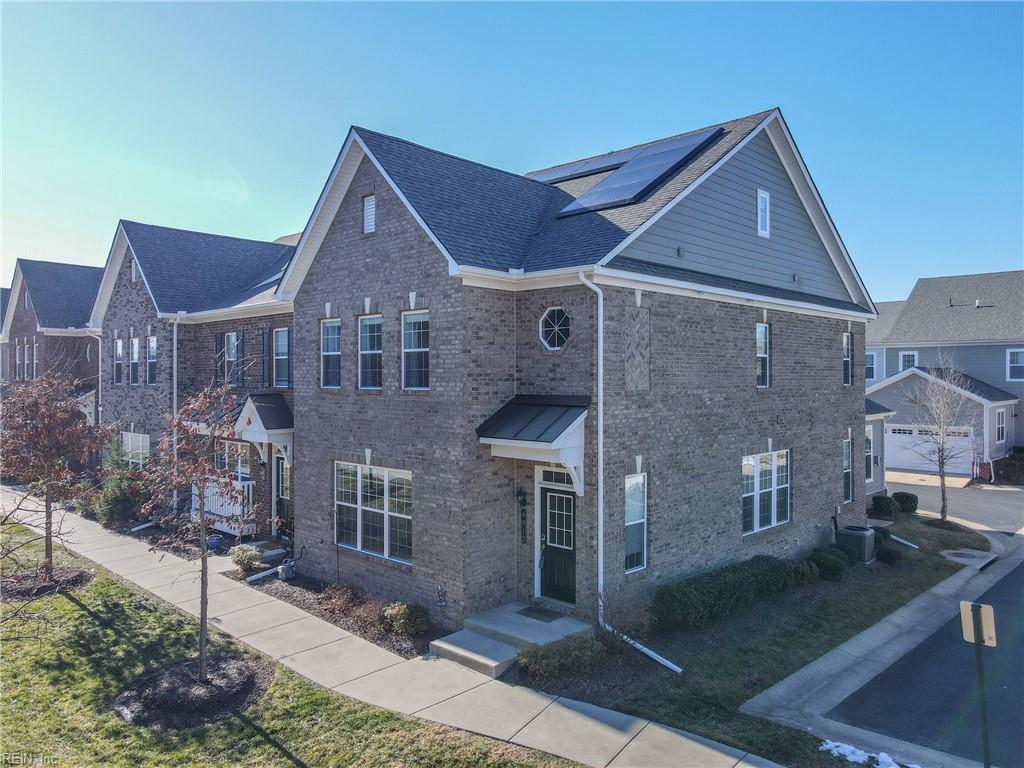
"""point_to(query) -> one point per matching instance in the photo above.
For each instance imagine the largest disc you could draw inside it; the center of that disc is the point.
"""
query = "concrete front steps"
(490, 641)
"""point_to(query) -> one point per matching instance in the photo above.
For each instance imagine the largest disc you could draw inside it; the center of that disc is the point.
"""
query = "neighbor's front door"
(283, 502)
(558, 545)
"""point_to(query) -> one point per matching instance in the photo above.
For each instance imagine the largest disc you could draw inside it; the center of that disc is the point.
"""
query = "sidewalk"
(427, 687)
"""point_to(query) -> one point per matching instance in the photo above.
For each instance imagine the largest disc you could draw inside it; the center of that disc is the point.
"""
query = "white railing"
(229, 515)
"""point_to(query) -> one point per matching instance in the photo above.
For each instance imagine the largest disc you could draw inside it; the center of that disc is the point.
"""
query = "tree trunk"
(942, 487)
(48, 538)
(204, 580)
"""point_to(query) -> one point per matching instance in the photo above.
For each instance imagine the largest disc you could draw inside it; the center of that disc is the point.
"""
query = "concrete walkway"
(427, 687)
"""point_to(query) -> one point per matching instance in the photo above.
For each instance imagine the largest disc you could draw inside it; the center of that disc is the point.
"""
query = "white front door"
(908, 447)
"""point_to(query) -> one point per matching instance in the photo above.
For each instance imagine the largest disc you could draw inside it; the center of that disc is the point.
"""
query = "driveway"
(930, 695)
(993, 507)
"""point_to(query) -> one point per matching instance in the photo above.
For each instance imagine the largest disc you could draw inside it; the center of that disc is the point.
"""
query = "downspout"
(174, 393)
(600, 486)
(99, 380)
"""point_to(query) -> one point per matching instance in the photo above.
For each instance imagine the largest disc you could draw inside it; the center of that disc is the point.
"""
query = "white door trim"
(538, 483)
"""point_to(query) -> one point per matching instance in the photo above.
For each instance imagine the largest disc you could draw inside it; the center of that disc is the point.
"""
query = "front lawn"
(728, 662)
(57, 688)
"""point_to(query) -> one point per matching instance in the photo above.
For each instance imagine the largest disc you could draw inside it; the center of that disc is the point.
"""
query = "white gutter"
(600, 486)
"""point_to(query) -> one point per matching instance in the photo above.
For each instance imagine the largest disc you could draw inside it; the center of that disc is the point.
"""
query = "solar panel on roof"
(606, 162)
(641, 173)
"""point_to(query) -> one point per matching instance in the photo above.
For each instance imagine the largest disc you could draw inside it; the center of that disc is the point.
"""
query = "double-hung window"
(35, 358)
(763, 351)
(151, 359)
(869, 453)
(869, 366)
(764, 214)
(766, 496)
(1015, 365)
(847, 359)
(1001, 425)
(373, 510)
(136, 448)
(233, 458)
(118, 361)
(371, 352)
(907, 360)
(636, 522)
(847, 470)
(133, 361)
(416, 350)
(330, 354)
(17, 362)
(231, 362)
(282, 357)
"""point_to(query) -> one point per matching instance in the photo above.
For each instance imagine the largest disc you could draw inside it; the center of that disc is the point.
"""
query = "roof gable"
(879, 329)
(974, 389)
(62, 294)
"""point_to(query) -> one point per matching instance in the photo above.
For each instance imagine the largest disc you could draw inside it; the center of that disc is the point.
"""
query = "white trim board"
(115, 258)
(929, 377)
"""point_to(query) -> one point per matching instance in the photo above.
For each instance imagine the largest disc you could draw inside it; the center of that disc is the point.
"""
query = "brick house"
(180, 310)
(45, 325)
(569, 387)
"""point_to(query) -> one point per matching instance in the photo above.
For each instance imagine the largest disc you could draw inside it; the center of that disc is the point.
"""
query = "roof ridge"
(973, 274)
(654, 141)
(57, 263)
(205, 234)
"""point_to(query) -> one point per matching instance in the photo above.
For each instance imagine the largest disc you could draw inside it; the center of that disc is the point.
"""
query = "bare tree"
(941, 410)
(184, 467)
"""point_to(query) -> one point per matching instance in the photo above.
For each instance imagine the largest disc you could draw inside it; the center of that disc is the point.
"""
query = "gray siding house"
(568, 387)
(973, 324)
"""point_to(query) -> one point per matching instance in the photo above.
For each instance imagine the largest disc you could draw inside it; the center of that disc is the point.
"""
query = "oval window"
(554, 328)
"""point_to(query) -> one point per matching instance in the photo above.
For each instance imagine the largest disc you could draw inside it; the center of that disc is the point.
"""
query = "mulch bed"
(308, 594)
(30, 585)
(173, 698)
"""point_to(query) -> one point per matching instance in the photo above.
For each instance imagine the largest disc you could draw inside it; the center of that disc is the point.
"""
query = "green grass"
(733, 660)
(56, 691)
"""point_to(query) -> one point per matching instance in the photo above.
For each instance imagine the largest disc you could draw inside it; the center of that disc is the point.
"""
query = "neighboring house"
(180, 310)
(5, 294)
(569, 387)
(875, 416)
(45, 325)
(973, 323)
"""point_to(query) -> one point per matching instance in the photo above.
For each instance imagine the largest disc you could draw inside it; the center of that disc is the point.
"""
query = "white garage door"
(908, 447)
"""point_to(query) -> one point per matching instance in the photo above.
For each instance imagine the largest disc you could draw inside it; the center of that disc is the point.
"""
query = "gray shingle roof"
(491, 218)
(194, 271)
(61, 294)
(273, 411)
(877, 330)
(871, 408)
(535, 418)
(983, 307)
(971, 384)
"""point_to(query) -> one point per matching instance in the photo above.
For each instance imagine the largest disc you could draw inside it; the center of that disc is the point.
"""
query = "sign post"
(978, 623)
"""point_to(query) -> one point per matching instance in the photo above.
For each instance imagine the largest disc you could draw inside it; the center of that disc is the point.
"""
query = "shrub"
(829, 566)
(883, 506)
(882, 535)
(839, 553)
(889, 554)
(368, 617)
(342, 599)
(805, 572)
(114, 505)
(407, 618)
(698, 600)
(905, 502)
(246, 556)
(576, 653)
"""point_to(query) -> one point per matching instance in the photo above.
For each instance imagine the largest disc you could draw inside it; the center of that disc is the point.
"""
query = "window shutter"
(265, 334)
(290, 366)
(218, 357)
(240, 360)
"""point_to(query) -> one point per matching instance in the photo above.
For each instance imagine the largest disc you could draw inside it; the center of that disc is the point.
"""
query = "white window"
(369, 214)
(636, 522)
(1015, 365)
(35, 358)
(416, 350)
(26, 298)
(847, 359)
(765, 490)
(763, 350)
(869, 453)
(234, 458)
(151, 359)
(869, 366)
(764, 214)
(136, 448)
(284, 480)
(373, 510)
(231, 357)
(847, 470)
(133, 361)
(371, 352)
(554, 328)
(17, 362)
(282, 357)
(330, 354)
(908, 360)
(118, 361)
(88, 353)
(1001, 425)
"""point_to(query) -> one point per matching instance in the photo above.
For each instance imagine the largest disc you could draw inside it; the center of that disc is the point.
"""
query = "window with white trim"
(118, 361)
(416, 350)
(373, 510)
(763, 342)
(136, 448)
(17, 362)
(26, 298)
(282, 357)
(330, 353)
(869, 453)
(1015, 365)
(151, 359)
(847, 470)
(636, 522)
(766, 496)
(231, 358)
(554, 328)
(869, 366)
(371, 352)
(133, 361)
(284, 480)
(233, 457)
(132, 259)
(1001, 425)
(764, 214)
(88, 353)
(35, 358)
(369, 214)
(908, 360)
(847, 359)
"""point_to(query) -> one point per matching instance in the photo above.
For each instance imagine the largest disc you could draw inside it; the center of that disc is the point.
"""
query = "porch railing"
(230, 516)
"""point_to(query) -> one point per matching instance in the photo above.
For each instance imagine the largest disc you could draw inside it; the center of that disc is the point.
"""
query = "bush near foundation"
(830, 567)
(245, 556)
(805, 572)
(905, 502)
(699, 600)
(889, 554)
(407, 619)
(576, 653)
(883, 506)
(882, 535)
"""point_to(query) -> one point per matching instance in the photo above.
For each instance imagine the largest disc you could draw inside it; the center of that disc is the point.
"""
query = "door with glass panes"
(284, 524)
(558, 544)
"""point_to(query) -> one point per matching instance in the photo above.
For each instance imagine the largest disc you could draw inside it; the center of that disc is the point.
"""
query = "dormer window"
(369, 214)
(764, 214)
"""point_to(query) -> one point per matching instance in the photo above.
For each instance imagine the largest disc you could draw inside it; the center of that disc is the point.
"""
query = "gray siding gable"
(715, 226)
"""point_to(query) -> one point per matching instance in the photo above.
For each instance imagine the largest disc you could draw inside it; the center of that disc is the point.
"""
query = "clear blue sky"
(227, 117)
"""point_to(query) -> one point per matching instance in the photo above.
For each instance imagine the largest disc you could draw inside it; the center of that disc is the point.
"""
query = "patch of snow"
(884, 761)
(859, 756)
